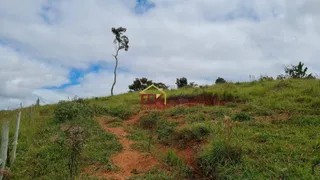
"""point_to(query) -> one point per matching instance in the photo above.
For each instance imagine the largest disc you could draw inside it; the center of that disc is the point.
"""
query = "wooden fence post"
(15, 141)
(4, 146)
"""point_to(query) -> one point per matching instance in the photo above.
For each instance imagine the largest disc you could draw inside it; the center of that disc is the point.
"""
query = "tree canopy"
(220, 80)
(297, 71)
(181, 82)
(142, 83)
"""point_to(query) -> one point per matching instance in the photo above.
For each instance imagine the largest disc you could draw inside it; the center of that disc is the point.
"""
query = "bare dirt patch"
(129, 161)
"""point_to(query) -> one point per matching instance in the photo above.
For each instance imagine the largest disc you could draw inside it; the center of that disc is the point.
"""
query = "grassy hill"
(265, 130)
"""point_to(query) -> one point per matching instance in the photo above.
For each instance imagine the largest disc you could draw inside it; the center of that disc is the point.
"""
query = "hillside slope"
(264, 130)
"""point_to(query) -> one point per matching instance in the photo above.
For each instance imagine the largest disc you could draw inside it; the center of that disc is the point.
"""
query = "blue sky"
(143, 6)
(52, 51)
(76, 74)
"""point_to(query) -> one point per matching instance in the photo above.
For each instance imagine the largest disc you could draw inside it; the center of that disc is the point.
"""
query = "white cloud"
(196, 39)
(20, 75)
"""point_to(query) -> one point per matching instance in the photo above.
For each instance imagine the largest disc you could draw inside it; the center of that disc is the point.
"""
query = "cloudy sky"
(55, 49)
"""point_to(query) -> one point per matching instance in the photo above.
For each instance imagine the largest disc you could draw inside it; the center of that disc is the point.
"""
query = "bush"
(241, 117)
(150, 121)
(265, 78)
(307, 120)
(70, 110)
(192, 132)
(218, 153)
(76, 139)
(227, 96)
(165, 129)
(220, 80)
(120, 111)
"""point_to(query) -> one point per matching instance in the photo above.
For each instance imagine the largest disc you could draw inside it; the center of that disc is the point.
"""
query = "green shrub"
(192, 132)
(241, 117)
(219, 112)
(120, 111)
(150, 121)
(165, 130)
(265, 78)
(306, 120)
(71, 110)
(227, 96)
(216, 154)
(99, 110)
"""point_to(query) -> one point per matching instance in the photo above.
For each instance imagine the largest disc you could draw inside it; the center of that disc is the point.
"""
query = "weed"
(218, 153)
(165, 130)
(150, 121)
(227, 96)
(241, 117)
(177, 164)
(192, 132)
(76, 138)
(121, 111)
(306, 120)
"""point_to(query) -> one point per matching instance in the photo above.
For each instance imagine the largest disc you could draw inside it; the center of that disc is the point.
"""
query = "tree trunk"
(115, 71)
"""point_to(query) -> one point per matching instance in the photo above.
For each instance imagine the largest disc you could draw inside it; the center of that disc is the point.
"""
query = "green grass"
(195, 132)
(41, 152)
(178, 166)
(285, 148)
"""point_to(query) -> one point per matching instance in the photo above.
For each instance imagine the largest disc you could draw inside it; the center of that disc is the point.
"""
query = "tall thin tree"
(121, 41)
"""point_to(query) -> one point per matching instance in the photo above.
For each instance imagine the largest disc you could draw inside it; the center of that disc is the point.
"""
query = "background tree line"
(291, 72)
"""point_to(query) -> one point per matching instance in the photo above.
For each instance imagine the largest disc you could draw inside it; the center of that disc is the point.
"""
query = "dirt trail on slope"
(128, 160)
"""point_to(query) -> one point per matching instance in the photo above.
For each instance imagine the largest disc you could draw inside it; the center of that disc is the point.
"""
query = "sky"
(58, 49)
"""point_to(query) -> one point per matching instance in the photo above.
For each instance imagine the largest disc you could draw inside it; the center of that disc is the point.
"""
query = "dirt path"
(128, 160)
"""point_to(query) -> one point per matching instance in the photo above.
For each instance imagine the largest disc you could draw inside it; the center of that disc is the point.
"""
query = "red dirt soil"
(128, 159)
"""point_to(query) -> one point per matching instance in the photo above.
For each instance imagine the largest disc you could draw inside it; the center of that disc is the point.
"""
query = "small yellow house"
(147, 98)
